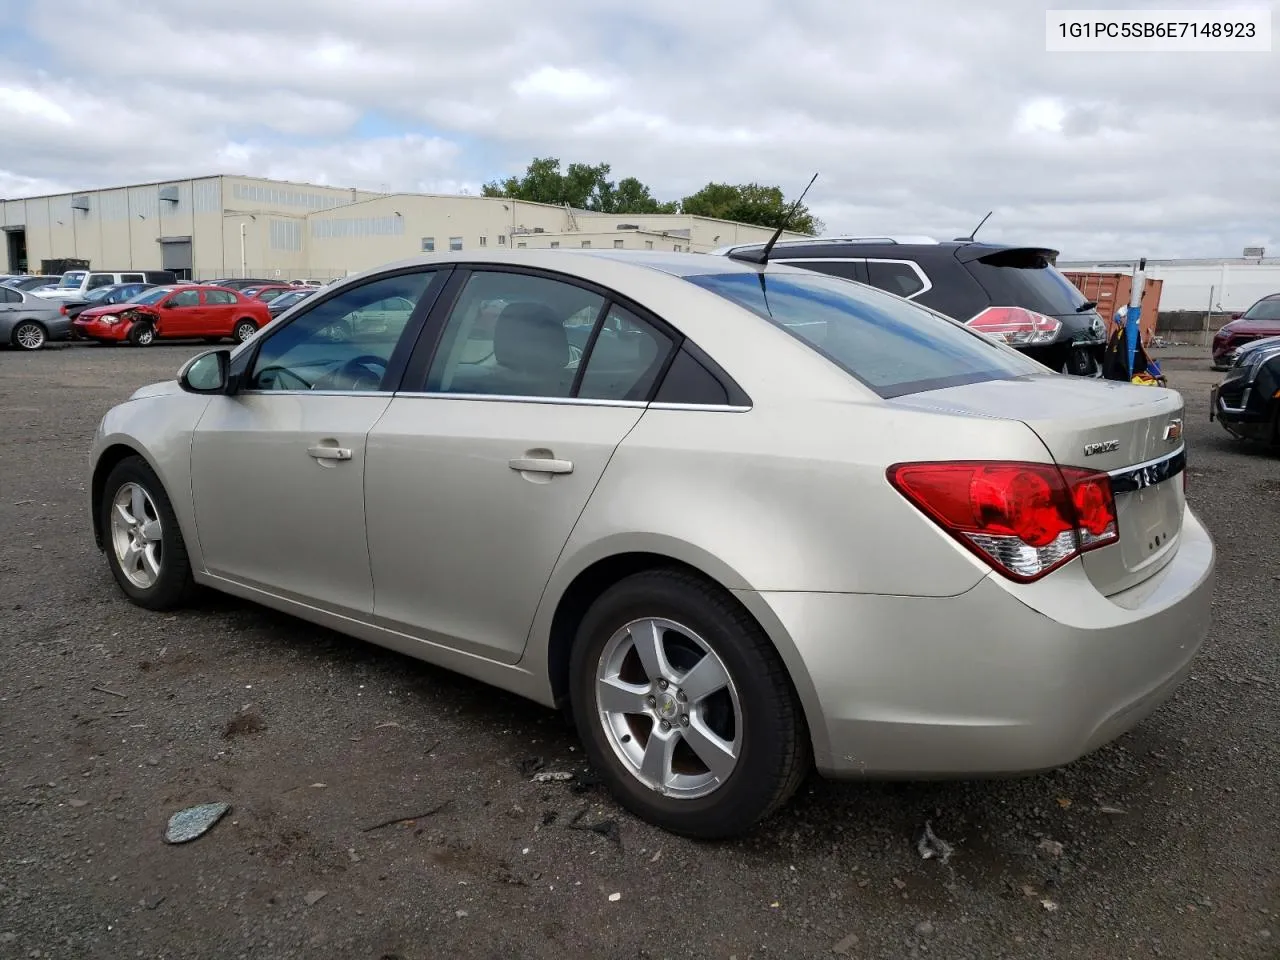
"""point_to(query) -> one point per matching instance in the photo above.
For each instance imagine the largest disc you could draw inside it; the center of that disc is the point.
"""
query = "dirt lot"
(112, 718)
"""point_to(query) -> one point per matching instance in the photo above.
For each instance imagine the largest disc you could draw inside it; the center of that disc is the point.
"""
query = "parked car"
(781, 519)
(306, 283)
(267, 292)
(278, 305)
(184, 312)
(240, 283)
(1014, 294)
(1247, 401)
(29, 322)
(30, 284)
(76, 284)
(1260, 320)
(103, 296)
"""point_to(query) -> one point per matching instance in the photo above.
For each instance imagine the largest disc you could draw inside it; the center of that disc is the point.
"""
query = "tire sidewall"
(728, 809)
(241, 325)
(174, 567)
(137, 332)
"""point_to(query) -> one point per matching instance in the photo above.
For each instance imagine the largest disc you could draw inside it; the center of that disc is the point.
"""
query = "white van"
(76, 283)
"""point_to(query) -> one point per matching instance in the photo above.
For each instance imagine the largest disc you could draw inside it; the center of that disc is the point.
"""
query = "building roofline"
(209, 176)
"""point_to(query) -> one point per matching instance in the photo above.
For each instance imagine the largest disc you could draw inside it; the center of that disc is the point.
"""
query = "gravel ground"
(111, 719)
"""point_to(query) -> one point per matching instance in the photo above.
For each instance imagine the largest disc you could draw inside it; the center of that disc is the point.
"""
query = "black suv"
(1015, 294)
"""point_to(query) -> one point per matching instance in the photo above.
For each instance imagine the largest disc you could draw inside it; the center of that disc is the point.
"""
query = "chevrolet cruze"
(738, 519)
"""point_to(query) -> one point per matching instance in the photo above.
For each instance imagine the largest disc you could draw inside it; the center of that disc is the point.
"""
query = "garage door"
(175, 255)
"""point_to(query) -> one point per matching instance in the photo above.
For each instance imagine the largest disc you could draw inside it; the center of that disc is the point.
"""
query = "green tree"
(585, 186)
(749, 203)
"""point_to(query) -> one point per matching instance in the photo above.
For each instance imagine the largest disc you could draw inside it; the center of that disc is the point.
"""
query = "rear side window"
(892, 347)
(219, 297)
(899, 278)
(100, 280)
(624, 359)
(846, 269)
(1025, 278)
(9, 296)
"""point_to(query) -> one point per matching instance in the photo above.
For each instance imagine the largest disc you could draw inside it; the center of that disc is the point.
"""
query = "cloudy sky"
(920, 115)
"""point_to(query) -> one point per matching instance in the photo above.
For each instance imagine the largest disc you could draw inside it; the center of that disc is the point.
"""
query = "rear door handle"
(540, 465)
(329, 453)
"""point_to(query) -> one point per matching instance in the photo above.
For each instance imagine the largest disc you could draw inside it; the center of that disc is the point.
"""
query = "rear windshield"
(890, 345)
(1263, 310)
(1022, 278)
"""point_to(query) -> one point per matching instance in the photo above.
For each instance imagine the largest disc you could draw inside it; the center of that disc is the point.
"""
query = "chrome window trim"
(572, 401)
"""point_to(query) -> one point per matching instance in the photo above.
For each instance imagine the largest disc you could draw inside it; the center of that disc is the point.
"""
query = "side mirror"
(207, 373)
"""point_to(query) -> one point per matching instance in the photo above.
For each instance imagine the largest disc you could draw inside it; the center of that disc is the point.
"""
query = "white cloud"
(921, 115)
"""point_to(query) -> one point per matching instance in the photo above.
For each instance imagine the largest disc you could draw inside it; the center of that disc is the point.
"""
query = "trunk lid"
(1104, 426)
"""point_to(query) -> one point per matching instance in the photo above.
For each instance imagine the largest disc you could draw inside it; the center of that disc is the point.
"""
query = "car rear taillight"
(1024, 519)
(1016, 326)
(63, 310)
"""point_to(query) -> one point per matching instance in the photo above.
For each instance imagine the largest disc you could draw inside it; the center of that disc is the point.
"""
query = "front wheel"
(29, 335)
(244, 330)
(144, 544)
(142, 334)
(684, 706)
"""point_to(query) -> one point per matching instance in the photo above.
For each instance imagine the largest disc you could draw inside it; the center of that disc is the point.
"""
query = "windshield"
(154, 295)
(72, 279)
(1263, 310)
(1023, 278)
(892, 346)
(99, 293)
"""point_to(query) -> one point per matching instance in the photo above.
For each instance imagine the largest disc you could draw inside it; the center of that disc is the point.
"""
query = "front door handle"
(540, 465)
(329, 453)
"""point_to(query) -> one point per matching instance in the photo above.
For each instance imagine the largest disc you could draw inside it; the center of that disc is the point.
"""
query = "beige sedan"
(740, 520)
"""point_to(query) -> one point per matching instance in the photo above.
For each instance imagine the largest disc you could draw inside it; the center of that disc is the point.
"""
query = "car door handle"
(540, 465)
(329, 453)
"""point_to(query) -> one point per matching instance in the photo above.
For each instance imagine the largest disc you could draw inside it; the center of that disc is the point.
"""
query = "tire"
(161, 578)
(244, 330)
(756, 712)
(142, 335)
(29, 335)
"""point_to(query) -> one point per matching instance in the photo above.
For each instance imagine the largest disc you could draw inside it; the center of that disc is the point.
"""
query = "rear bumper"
(998, 680)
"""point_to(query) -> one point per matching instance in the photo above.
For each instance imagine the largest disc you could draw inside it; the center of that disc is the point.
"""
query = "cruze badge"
(1102, 446)
(1173, 432)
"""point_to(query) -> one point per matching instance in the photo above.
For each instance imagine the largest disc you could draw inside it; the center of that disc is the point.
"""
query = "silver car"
(29, 322)
(747, 520)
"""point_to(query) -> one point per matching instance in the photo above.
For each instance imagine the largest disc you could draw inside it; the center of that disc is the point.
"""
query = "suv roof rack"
(818, 241)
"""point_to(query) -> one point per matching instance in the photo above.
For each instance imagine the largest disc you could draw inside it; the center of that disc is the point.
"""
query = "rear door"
(476, 479)
(220, 312)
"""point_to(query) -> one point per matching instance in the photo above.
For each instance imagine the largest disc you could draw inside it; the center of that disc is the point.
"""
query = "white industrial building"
(1209, 286)
(225, 226)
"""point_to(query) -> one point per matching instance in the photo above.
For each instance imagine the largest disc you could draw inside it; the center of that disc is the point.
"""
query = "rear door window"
(100, 280)
(844, 268)
(1025, 278)
(892, 347)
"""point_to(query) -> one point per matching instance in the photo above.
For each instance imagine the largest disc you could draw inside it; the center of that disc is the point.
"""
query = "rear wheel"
(144, 544)
(244, 330)
(684, 706)
(29, 335)
(142, 334)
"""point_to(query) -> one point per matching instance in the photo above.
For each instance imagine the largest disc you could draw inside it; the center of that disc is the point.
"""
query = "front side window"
(343, 343)
(895, 276)
(511, 334)
(185, 298)
(219, 297)
(894, 348)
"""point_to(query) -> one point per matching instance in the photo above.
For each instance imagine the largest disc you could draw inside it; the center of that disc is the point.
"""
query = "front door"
(180, 314)
(278, 469)
(475, 482)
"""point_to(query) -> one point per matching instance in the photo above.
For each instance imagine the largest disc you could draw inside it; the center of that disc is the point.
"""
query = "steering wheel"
(364, 372)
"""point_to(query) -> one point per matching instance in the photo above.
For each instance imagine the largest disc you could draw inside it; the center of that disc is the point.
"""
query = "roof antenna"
(762, 256)
(974, 233)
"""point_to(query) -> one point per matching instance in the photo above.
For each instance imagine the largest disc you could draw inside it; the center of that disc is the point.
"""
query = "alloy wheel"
(136, 535)
(29, 336)
(669, 708)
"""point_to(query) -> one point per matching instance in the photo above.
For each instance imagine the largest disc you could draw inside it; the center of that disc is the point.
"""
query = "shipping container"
(1111, 291)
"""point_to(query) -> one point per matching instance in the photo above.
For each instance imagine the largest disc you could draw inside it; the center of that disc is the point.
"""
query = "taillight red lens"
(1025, 519)
(1016, 326)
(63, 310)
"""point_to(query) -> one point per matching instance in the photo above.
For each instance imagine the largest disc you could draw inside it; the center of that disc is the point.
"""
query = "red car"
(175, 313)
(267, 292)
(1260, 320)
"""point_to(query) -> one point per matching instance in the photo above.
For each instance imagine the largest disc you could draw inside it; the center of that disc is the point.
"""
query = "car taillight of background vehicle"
(1016, 326)
(1024, 519)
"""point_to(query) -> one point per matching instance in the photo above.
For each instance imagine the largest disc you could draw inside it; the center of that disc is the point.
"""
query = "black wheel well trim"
(598, 577)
